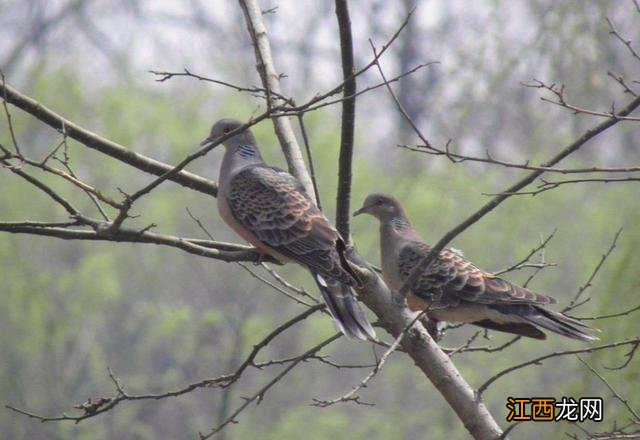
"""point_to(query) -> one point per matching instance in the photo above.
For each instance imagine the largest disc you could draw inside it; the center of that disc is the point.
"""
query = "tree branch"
(271, 82)
(204, 248)
(103, 145)
(98, 406)
(348, 121)
(259, 395)
(538, 361)
(493, 203)
(430, 359)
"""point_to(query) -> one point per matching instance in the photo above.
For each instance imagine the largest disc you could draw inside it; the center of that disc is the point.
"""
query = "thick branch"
(429, 357)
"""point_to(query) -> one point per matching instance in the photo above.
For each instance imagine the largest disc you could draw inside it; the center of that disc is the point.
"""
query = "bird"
(453, 289)
(269, 208)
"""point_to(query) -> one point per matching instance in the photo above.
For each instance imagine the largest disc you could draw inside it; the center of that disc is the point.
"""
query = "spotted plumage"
(452, 288)
(270, 209)
(272, 204)
(455, 278)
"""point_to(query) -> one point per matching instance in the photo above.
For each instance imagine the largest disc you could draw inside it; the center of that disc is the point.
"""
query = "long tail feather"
(516, 328)
(344, 308)
(561, 324)
(547, 319)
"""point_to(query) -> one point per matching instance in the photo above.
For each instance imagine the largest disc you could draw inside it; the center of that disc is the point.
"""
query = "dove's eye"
(226, 130)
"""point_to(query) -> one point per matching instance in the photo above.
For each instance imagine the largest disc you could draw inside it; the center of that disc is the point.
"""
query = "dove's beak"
(207, 141)
(362, 210)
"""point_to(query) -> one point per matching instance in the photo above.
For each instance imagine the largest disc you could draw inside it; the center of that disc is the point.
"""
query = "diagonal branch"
(352, 396)
(103, 145)
(271, 82)
(430, 359)
(538, 360)
(259, 395)
(516, 187)
(94, 407)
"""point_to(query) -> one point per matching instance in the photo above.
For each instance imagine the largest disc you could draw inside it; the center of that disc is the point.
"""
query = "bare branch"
(624, 41)
(273, 286)
(538, 361)
(69, 177)
(164, 76)
(94, 407)
(574, 302)
(613, 315)
(455, 157)
(494, 202)
(271, 82)
(312, 170)
(298, 290)
(8, 115)
(620, 80)
(561, 101)
(103, 145)
(617, 395)
(43, 187)
(629, 357)
(348, 121)
(547, 185)
(352, 396)
(204, 248)
(259, 395)
(525, 261)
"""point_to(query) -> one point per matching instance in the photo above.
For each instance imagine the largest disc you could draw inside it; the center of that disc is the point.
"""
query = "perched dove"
(452, 289)
(270, 209)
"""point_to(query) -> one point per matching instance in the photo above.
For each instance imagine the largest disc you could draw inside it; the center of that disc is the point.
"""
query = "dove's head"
(226, 126)
(381, 206)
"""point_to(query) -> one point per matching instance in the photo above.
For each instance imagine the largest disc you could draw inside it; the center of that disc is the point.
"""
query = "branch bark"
(431, 360)
(103, 145)
(348, 121)
(204, 248)
(271, 82)
(515, 188)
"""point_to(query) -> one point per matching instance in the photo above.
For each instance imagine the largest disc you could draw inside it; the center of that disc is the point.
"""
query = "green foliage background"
(161, 318)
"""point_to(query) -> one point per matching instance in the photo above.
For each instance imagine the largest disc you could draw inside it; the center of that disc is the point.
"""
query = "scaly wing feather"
(451, 278)
(273, 206)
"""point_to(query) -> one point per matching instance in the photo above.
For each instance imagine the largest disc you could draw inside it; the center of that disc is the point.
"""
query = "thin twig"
(94, 407)
(524, 262)
(351, 395)
(538, 360)
(617, 395)
(312, 170)
(574, 302)
(259, 395)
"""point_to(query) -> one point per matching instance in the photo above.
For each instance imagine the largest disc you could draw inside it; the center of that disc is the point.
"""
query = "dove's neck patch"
(400, 224)
(246, 151)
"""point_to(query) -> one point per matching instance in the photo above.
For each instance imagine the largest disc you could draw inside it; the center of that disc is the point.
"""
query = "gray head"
(225, 126)
(383, 207)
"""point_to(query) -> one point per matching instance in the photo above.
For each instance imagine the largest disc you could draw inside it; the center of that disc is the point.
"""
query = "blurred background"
(161, 318)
